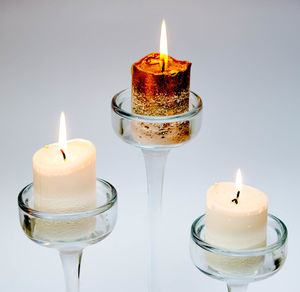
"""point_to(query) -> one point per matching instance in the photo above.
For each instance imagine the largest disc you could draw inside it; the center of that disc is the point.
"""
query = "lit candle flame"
(238, 181)
(62, 140)
(163, 50)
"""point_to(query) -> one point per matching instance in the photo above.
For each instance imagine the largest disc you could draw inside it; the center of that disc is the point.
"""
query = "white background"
(75, 55)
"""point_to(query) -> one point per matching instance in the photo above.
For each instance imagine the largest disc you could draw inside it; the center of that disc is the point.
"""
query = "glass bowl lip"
(242, 253)
(155, 119)
(69, 216)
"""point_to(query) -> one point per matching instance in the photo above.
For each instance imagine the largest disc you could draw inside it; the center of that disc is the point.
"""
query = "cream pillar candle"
(65, 175)
(236, 223)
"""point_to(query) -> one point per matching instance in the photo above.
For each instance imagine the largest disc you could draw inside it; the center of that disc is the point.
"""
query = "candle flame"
(62, 140)
(238, 181)
(163, 50)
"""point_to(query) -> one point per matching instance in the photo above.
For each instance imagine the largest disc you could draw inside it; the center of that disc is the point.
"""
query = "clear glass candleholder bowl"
(239, 267)
(155, 132)
(70, 233)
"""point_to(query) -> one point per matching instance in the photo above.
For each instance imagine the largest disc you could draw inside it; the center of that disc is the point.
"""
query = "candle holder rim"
(241, 253)
(155, 119)
(69, 216)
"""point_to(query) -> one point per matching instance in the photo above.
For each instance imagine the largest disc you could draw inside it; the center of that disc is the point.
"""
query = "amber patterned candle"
(160, 87)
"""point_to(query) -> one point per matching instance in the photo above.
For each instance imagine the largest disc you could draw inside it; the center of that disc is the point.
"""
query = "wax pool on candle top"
(65, 186)
(236, 226)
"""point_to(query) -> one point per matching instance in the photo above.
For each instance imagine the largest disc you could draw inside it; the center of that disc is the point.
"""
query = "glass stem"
(155, 161)
(71, 265)
(237, 287)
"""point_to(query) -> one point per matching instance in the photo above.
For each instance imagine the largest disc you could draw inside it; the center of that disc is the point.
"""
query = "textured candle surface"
(236, 226)
(160, 88)
(157, 92)
(65, 186)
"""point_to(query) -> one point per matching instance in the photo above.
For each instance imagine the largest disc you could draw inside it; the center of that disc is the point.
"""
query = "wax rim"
(215, 204)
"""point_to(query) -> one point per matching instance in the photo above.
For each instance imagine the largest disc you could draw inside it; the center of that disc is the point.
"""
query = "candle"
(64, 175)
(160, 87)
(236, 216)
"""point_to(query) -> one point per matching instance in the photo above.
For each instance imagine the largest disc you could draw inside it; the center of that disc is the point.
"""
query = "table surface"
(75, 55)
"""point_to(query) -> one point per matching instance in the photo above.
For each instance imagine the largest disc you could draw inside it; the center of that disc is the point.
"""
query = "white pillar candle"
(65, 185)
(64, 180)
(232, 225)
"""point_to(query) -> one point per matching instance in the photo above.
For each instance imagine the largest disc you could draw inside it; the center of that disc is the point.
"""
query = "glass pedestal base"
(155, 136)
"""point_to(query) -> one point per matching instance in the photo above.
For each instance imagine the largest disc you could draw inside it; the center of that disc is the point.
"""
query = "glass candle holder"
(239, 267)
(155, 136)
(70, 233)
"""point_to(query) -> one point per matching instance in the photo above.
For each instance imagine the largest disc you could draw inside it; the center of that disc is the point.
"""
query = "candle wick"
(236, 200)
(64, 154)
(163, 65)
